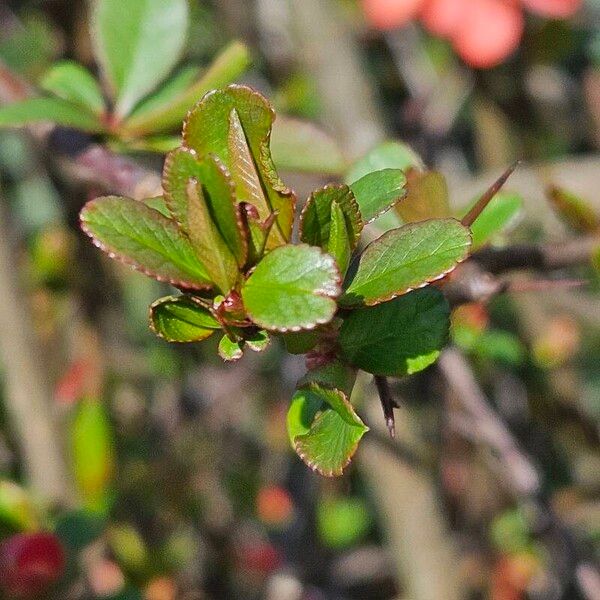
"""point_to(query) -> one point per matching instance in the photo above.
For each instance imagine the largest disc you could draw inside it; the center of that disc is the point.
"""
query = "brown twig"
(387, 403)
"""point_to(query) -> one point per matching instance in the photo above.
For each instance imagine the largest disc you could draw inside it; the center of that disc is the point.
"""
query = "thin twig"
(387, 403)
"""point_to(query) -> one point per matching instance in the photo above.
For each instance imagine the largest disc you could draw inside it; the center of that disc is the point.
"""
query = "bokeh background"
(133, 469)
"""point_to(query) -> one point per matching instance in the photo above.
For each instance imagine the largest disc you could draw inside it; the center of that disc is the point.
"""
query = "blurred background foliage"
(178, 477)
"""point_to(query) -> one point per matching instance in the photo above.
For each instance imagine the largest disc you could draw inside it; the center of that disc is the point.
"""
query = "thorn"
(477, 209)
(387, 403)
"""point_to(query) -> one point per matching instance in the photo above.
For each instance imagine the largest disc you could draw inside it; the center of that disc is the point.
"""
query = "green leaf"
(301, 146)
(18, 511)
(343, 522)
(208, 242)
(300, 342)
(258, 341)
(226, 68)
(235, 125)
(407, 258)
(575, 212)
(379, 191)
(389, 155)
(92, 452)
(292, 288)
(181, 319)
(315, 220)
(137, 43)
(333, 374)
(230, 350)
(339, 243)
(397, 338)
(49, 110)
(73, 82)
(497, 216)
(324, 429)
(158, 203)
(181, 165)
(142, 237)
(427, 197)
(166, 94)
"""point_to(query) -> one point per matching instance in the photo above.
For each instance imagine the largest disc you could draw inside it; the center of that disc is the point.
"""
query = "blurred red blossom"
(483, 32)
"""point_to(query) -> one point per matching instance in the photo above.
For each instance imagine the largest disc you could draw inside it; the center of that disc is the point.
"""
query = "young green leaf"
(73, 82)
(427, 197)
(339, 243)
(137, 43)
(334, 433)
(315, 219)
(407, 258)
(181, 319)
(49, 110)
(497, 216)
(292, 288)
(378, 191)
(230, 350)
(207, 241)
(258, 341)
(573, 210)
(389, 155)
(235, 125)
(181, 165)
(397, 338)
(142, 237)
(163, 112)
(301, 146)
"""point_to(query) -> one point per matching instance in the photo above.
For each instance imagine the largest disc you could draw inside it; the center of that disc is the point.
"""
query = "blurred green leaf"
(17, 510)
(142, 237)
(301, 146)
(496, 217)
(388, 155)
(378, 191)
(49, 110)
(73, 82)
(92, 453)
(181, 319)
(509, 532)
(292, 288)
(137, 43)
(342, 522)
(79, 528)
(573, 210)
(128, 546)
(426, 197)
(406, 258)
(232, 61)
(397, 338)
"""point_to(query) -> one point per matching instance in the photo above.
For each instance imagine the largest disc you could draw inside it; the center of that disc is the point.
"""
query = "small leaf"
(181, 319)
(496, 217)
(181, 165)
(334, 374)
(339, 244)
(230, 350)
(156, 117)
(258, 341)
(292, 288)
(407, 258)
(18, 511)
(389, 155)
(379, 191)
(207, 241)
(158, 203)
(315, 220)
(216, 124)
(397, 338)
(137, 43)
(333, 434)
(301, 146)
(427, 197)
(142, 237)
(573, 210)
(73, 82)
(49, 110)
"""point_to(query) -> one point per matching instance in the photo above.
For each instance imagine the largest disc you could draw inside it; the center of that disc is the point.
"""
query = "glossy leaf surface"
(407, 258)
(142, 237)
(292, 288)
(399, 337)
(378, 191)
